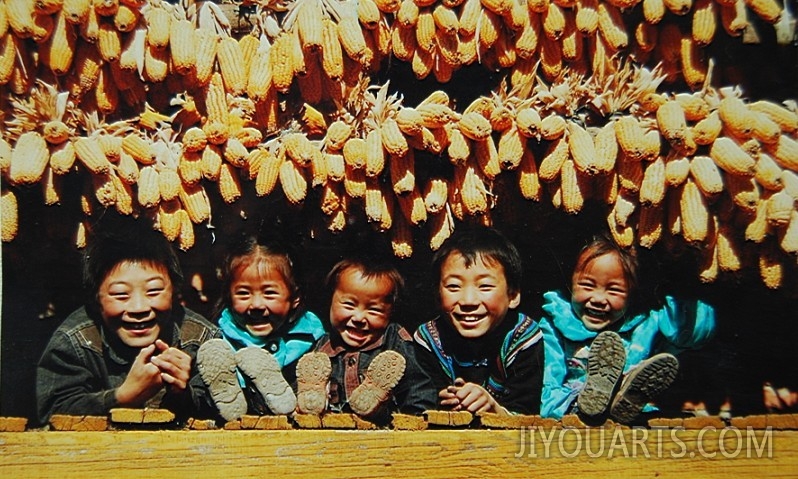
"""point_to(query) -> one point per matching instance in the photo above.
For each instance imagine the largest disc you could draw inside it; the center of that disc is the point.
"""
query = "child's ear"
(515, 299)
(295, 302)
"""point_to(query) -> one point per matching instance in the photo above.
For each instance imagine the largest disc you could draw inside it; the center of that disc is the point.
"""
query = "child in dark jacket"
(132, 344)
(481, 354)
(367, 363)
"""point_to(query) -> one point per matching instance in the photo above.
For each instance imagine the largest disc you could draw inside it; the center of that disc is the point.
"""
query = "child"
(367, 359)
(590, 340)
(132, 344)
(481, 354)
(265, 332)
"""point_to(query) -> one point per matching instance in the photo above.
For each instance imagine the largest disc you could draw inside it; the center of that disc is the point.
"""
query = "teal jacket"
(676, 326)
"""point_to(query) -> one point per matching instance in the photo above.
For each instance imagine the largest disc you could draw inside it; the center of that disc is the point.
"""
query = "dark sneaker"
(265, 372)
(217, 367)
(642, 384)
(312, 376)
(604, 366)
(382, 375)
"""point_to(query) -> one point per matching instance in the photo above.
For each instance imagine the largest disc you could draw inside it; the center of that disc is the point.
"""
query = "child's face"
(361, 308)
(135, 301)
(599, 292)
(261, 297)
(476, 298)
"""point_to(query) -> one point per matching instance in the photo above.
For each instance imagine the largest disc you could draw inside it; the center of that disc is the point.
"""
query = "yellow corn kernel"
(550, 58)
(335, 167)
(282, 63)
(355, 153)
(194, 140)
(268, 173)
(646, 35)
(743, 191)
(489, 27)
(553, 158)
(771, 267)
(788, 237)
(694, 65)
(764, 129)
(393, 140)
(624, 207)
(126, 17)
(786, 119)
(59, 50)
(653, 11)
(757, 229)
(435, 195)
(441, 228)
(487, 157)
(182, 48)
(652, 189)
(706, 175)
(211, 162)
(9, 215)
(351, 37)
(375, 154)
(553, 22)
(552, 127)
(158, 27)
(704, 22)
(402, 239)
(529, 122)
(630, 135)
(511, 148)
(354, 182)
(403, 172)
(767, 173)
(298, 148)
(337, 135)
(29, 158)
(156, 64)
(649, 226)
(309, 25)
(630, 174)
(139, 148)
(293, 182)
(780, 206)
(694, 213)
(229, 184)
(706, 131)
(332, 55)
(624, 236)
(768, 10)
(527, 42)
(148, 194)
(672, 122)
(572, 187)
(785, 152)
(735, 116)
(91, 155)
(62, 158)
(611, 26)
(731, 158)
(528, 178)
(475, 126)
(582, 149)
(473, 193)
(196, 203)
(232, 66)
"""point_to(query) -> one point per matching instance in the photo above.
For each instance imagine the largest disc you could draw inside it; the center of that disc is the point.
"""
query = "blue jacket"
(676, 326)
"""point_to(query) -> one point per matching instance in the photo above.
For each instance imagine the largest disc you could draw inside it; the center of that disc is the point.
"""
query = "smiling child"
(591, 342)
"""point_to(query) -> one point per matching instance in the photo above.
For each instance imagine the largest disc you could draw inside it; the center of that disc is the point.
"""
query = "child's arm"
(463, 396)
(686, 323)
(142, 382)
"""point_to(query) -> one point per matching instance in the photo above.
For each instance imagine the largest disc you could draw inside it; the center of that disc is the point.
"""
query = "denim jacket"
(413, 394)
(80, 368)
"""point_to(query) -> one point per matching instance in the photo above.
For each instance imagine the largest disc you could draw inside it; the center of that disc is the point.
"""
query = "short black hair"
(475, 241)
(134, 242)
(369, 267)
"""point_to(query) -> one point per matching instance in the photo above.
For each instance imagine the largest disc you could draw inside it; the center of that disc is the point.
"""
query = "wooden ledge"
(449, 453)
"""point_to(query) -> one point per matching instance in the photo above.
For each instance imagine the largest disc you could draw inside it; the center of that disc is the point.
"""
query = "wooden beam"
(556, 453)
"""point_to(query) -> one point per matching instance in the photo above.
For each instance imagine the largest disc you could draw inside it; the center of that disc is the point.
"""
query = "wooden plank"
(621, 452)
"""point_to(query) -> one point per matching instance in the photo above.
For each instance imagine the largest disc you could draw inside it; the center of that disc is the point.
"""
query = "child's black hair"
(369, 267)
(486, 243)
(133, 242)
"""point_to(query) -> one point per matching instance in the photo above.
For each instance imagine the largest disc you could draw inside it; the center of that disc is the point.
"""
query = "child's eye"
(155, 291)
(119, 296)
(452, 287)
(486, 287)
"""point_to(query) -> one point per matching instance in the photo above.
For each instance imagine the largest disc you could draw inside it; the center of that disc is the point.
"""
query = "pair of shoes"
(605, 364)
(642, 384)
(313, 377)
(217, 365)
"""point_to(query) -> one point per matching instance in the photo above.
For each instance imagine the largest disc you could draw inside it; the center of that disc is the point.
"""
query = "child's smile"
(360, 309)
(261, 298)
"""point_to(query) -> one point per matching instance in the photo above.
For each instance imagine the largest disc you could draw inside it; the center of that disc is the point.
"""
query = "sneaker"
(217, 367)
(382, 375)
(265, 372)
(312, 376)
(642, 384)
(605, 364)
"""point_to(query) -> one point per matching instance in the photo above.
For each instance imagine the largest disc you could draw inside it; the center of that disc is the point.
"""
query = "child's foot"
(382, 375)
(265, 372)
(217, 367)
(642, 384)
(312, 375)
(604, 366)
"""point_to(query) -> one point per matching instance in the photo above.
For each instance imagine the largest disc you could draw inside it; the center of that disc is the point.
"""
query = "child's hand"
(469, 397)
(174, 364)
(142, 382)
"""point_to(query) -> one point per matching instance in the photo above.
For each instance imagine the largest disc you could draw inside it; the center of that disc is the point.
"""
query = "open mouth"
(356, 334)
(468, 319)
(138, 326)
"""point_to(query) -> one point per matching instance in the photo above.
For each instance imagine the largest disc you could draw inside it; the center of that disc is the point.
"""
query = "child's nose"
(258, 302)
(138, 303)
(470, 296)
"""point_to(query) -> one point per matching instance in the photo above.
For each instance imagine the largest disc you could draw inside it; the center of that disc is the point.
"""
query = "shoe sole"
(604, 366)
(265, 372)
(644, 383)
(217, 367)
(312, 374)
(382, 375)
